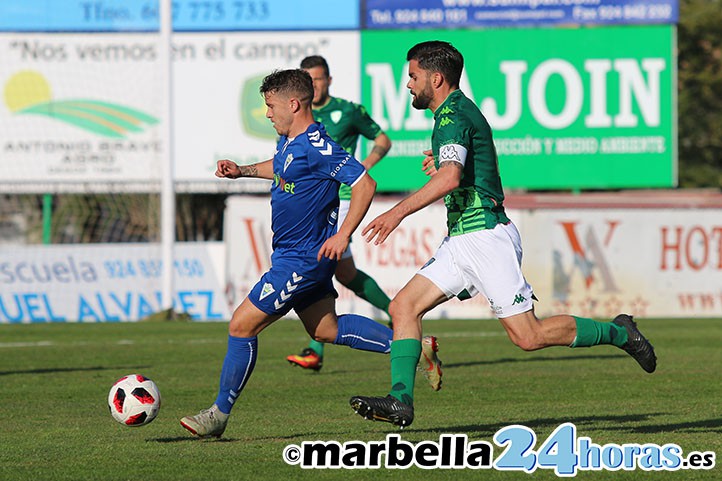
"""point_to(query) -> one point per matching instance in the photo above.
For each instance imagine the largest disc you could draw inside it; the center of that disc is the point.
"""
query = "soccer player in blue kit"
(307, 169)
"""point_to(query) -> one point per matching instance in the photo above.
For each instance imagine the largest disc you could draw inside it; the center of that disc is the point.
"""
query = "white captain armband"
(452, 153)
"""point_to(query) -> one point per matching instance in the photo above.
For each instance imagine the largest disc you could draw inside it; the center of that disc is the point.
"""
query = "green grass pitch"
(55, 425)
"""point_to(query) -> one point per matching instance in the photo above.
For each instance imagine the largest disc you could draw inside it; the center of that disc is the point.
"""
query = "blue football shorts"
(293, 283)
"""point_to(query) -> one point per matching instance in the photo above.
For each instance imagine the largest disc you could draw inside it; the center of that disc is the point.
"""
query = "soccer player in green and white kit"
(345, 121)
(482, 252)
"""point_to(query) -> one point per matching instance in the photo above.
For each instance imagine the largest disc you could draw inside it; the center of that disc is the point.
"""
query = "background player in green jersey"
(345, 121)
(482, 251)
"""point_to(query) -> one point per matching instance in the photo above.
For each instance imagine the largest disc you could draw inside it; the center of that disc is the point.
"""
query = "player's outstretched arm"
(362, 193)
(444, 181)
(230, 170)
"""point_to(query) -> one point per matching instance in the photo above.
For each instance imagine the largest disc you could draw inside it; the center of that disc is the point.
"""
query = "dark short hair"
(438, 56)
(294, 82)
(315, 61)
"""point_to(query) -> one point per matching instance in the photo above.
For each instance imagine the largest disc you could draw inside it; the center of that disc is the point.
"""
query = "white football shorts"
(486, 262)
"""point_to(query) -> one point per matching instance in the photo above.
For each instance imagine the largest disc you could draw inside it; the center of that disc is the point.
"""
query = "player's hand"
(333, 248)
(427, 165)
(381, 227)
(227, 168)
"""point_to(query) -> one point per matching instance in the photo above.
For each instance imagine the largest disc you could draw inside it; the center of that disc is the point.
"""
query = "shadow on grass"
(512, 360)
(632, 423)
(57, 370)
(707, 425)
(191, 439)
(596, 422)
(622, 423)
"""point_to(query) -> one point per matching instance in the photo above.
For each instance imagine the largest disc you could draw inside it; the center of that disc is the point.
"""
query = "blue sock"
(359, 332)
(237, 368)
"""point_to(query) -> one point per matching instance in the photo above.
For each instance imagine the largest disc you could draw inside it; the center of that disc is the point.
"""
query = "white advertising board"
(108, 282)
(218, 110)
(587, 262)
(646, 262)
(82, 112)
(79, 108)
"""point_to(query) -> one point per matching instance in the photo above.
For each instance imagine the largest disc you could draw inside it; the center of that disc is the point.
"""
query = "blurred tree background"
(699, 41)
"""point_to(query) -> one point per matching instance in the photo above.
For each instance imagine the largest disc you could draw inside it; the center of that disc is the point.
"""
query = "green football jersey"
(477, 203)
(344, 122)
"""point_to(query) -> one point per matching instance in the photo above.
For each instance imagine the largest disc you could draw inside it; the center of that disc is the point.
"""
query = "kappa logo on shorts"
(518, 299)
(286, 293)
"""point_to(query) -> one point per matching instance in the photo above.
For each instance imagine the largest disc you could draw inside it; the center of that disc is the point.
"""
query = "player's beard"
(422, 99)
(321, 101)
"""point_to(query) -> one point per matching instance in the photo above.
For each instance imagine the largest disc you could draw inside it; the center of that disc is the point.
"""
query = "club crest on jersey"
(289, 159)
(336, 116)
(267, 290)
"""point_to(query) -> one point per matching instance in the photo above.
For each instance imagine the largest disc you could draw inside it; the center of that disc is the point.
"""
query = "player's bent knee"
(400, 307)
(325, 335)
(325, 338)
(239, 327)
(238, 330)
(526, 343)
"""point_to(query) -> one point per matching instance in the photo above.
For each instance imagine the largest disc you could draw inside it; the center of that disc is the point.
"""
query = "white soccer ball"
(134, 400)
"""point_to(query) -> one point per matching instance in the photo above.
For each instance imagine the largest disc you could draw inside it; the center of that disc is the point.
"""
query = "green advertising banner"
(582, 108)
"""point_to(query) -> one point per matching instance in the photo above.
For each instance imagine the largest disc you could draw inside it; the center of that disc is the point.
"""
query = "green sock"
(592, 333)
(316, 346)
(405, 355)
(367, 289)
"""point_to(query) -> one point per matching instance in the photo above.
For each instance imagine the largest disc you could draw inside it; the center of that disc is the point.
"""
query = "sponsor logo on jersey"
(340, 166)
(282, 184)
